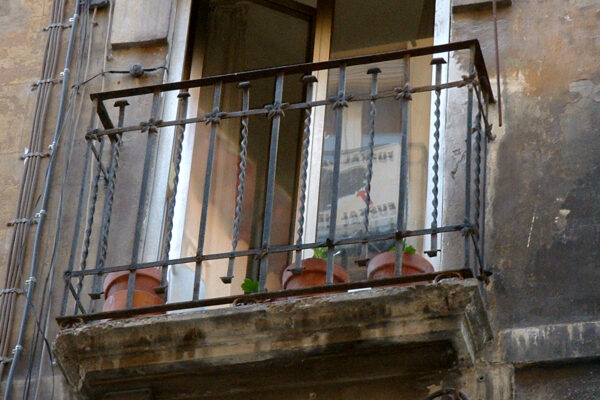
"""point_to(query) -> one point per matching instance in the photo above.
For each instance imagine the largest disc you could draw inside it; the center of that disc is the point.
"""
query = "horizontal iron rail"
(96, 133)
(259, 252)
(307, 68)
(255, 297)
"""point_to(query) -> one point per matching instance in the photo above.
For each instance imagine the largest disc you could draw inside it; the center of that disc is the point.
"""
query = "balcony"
(411, 323)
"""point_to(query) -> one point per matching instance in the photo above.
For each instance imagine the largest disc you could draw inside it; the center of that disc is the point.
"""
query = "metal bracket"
(27, 154)
(467, 80)
(95, 295)
(57, 25)
(11, 290)
(160, 289)
(35, 85)
(404, 92)
(150, 126)
(18, 221)
(433, 253)
(276, 109)
(484, 275)
(5, 360)
(98, 3)
(40, 213)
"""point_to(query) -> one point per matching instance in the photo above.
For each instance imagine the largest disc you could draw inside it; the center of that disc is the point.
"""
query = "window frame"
(179, 69)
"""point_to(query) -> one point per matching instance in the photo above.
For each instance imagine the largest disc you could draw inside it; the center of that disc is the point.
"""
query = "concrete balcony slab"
(360, 336)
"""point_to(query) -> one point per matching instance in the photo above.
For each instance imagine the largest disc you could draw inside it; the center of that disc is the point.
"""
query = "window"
(234, 35)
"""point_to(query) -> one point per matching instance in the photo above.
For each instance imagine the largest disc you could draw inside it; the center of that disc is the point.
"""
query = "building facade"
(186, 155)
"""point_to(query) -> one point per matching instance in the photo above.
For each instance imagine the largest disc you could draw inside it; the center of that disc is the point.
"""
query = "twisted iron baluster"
(467, 228)
(245, 86)
(179, 136)
(90, 220)
(309, 81)
(438, 62)
(110, 187)
(369, 172)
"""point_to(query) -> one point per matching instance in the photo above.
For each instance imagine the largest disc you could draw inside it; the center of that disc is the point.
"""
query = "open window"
(228, 36)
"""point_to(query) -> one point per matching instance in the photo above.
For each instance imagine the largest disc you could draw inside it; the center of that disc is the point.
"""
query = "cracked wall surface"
(544, 191)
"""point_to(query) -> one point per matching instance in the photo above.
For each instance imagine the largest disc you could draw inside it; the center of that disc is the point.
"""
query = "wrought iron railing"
(105, 145)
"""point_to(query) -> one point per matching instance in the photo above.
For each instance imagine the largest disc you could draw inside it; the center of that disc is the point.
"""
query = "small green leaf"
(320, 252)
(407, 249)
(250, 286)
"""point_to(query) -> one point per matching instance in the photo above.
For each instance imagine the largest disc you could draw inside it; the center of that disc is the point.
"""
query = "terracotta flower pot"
(314, 274)
(115, 289)
(382, 266)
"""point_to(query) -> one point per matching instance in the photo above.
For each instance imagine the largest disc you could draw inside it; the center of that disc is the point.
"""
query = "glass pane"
(240, 36)
(362, 28)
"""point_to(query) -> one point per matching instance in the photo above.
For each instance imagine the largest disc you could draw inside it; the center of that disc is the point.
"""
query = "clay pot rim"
(319, 265)
(381, 259)
(111, 277)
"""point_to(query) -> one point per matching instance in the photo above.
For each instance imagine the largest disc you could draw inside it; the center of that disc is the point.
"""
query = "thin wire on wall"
(25, 203)
(39, 339)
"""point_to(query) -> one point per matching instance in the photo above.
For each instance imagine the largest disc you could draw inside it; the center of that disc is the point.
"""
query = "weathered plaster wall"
(544, 169)
(20, 60)
(22, 42)
(21, 52)
(579, 382)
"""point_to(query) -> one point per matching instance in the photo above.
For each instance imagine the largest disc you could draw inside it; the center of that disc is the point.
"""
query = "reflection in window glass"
(385, 25)
(241, 36)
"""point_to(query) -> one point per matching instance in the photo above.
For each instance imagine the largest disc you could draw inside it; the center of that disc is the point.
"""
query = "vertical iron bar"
(369, 172)
(438, 62)
(477, 182)
(495, 16)
(341, 101)
(142, 206)
(469, 138)
(213, 119)
(403, 185)
(275, 114)
(245, 86)
(309, 81)
(178, 148)
(488, 137)
(477, 179)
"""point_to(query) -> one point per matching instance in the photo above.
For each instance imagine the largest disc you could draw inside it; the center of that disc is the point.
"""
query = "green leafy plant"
(320, 252)
(250, 285)
(405, 248)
